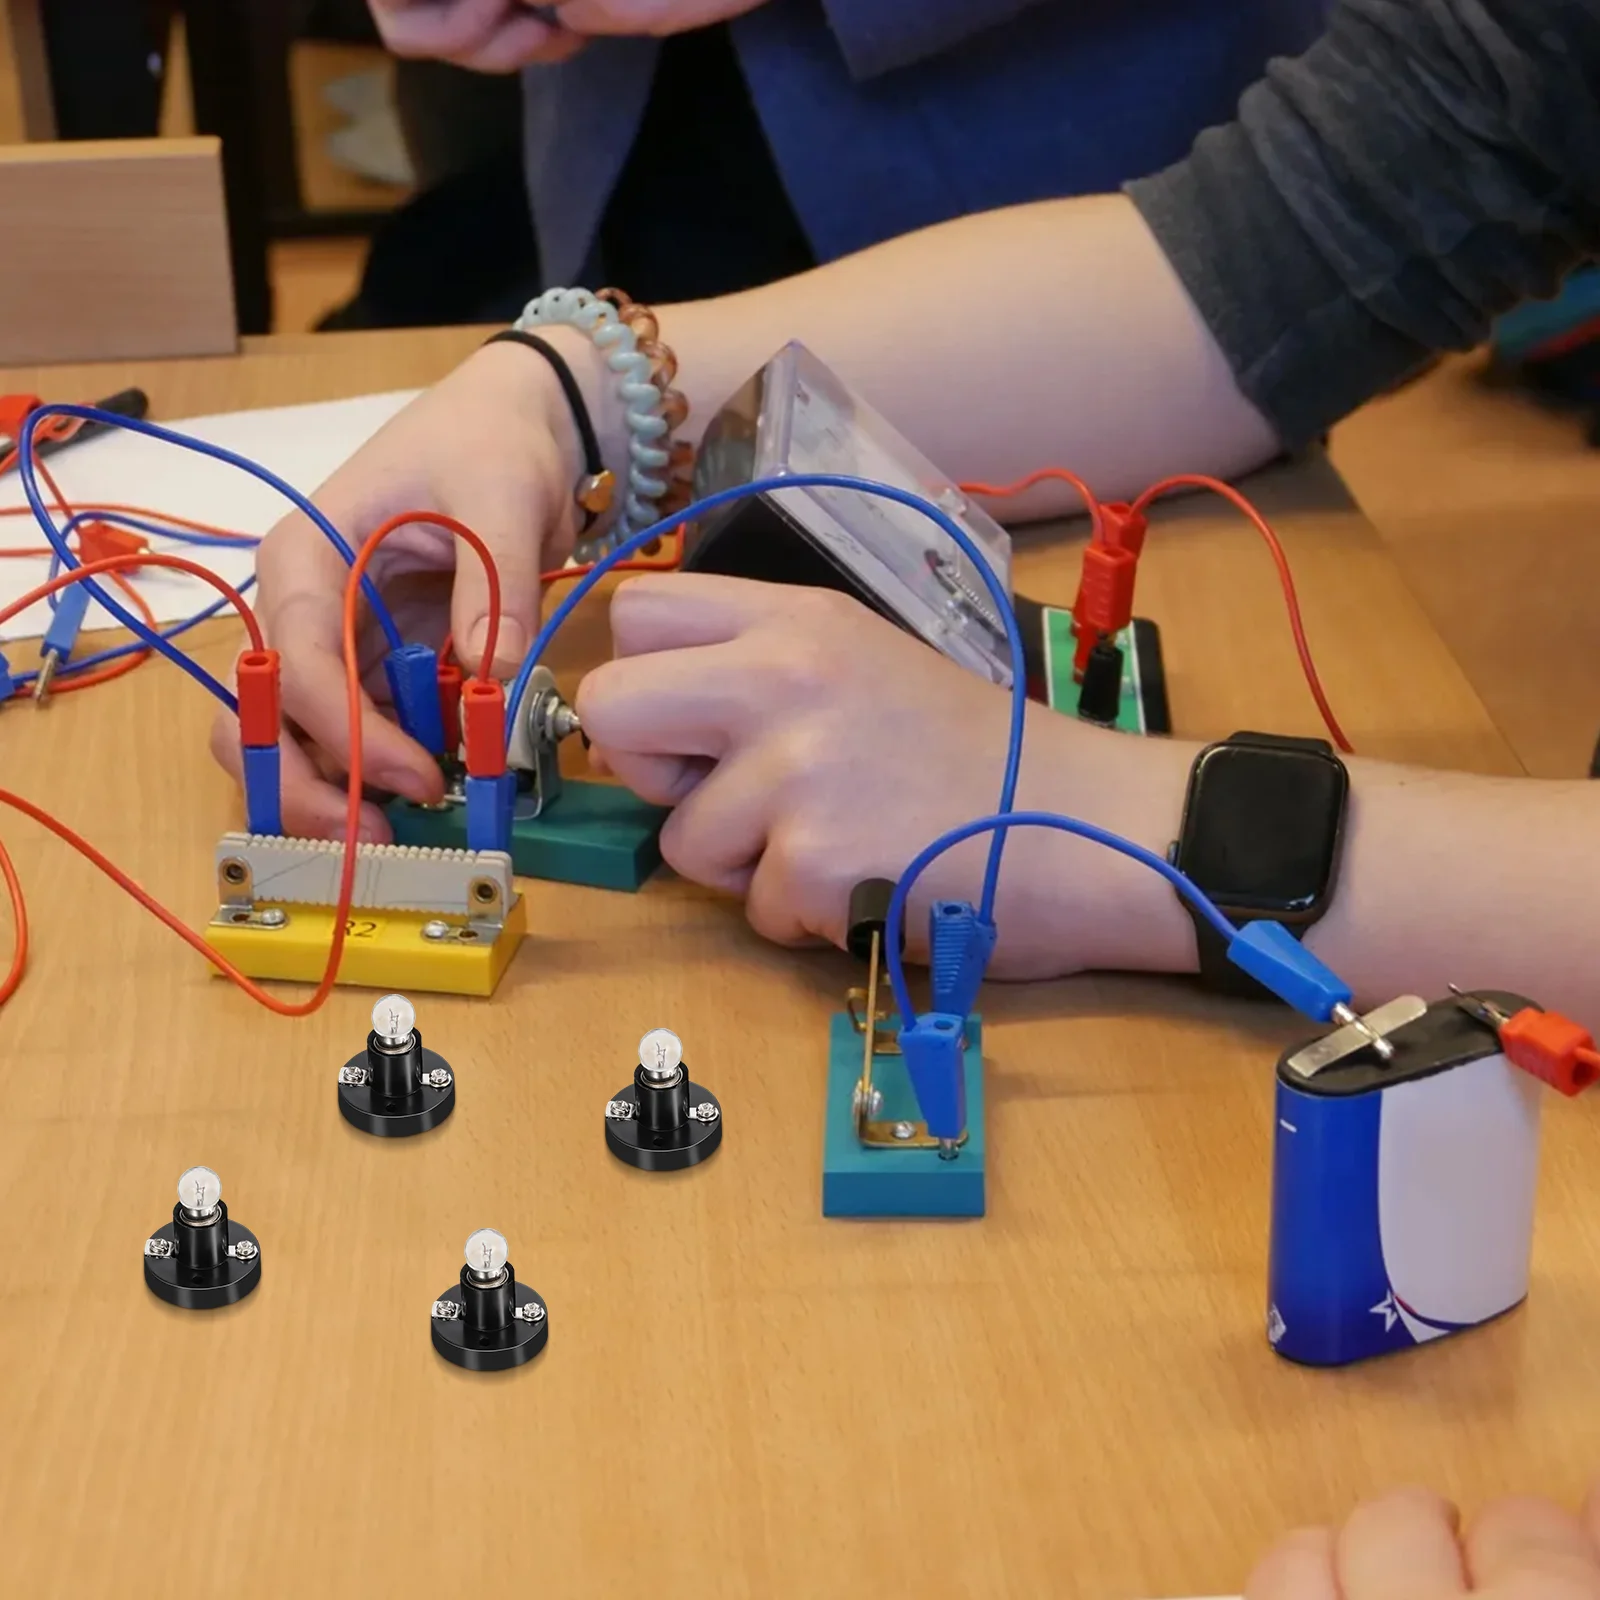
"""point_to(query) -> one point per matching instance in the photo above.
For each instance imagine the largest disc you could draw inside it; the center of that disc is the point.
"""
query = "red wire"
(112, 669)
(341, 913)
(437, 519)
(19, 918)
(1005, 491)
(563, 574)
(149, 513)
(128, 663)
(141, 558)
(1291, 600)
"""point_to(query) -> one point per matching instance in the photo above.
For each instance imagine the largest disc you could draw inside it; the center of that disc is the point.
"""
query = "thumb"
(506, 513)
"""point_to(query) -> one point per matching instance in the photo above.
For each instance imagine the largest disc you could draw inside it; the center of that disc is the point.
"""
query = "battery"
(1402, 1194)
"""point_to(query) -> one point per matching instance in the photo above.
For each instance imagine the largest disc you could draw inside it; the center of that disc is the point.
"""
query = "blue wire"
(1026, 819)
(145, 639)
(117, 652)
(26, 469)
(159, 530)
(821, 480)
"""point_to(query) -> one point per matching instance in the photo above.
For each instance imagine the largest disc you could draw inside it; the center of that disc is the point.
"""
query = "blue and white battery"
(1402, 1192)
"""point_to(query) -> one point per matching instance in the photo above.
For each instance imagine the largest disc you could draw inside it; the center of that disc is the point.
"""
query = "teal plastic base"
(857, 1182)
(1138, 697)
(595, 834)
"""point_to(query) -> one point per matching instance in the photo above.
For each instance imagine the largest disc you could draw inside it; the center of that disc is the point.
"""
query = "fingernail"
(510, 646)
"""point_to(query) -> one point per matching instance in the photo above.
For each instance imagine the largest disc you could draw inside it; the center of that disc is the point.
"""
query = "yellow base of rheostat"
(382, 950)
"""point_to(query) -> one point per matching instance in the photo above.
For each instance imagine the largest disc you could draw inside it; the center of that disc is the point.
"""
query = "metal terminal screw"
(903, 1130)
(706, 1111)
(160, 1248)
(871, 1103)
(243, 1251)
(235, 871)
(436, 930)
(354, 1077)
(532, 1312)
(438, 1078)
(446, 1310)
(619, 1110)
(1346, 1018)
(273, 917)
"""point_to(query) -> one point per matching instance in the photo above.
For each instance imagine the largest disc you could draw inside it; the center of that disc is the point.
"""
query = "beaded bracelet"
(645, 369)
(675, 407)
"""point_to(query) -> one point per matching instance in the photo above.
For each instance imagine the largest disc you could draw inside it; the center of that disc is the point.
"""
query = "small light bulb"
(487, 1253)
(660, 1053)
(199, 1191)
(393, 1020)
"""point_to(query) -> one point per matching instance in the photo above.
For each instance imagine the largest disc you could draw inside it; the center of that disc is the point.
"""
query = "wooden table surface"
(1487, 500)
(1072, 1396)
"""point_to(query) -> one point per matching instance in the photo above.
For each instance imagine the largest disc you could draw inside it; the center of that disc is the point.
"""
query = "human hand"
(655, 17)
(492, 445)
(1410, 1546)
(483, 35)
(807, 744)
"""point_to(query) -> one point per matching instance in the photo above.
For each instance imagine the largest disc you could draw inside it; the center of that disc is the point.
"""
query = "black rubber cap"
(869, 914)
(1100, 694)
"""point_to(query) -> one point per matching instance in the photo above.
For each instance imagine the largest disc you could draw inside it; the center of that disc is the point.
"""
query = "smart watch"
(1263, 822)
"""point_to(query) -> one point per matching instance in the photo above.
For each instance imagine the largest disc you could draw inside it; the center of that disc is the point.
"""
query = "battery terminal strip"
(426, 919)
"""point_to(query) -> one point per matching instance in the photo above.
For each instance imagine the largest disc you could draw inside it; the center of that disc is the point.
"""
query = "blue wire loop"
(1025, 819)
(820, 480)
(158, 530)
(101, 657)
(27, 472)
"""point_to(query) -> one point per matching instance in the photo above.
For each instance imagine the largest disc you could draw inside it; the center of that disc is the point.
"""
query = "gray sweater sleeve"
(1424, 166)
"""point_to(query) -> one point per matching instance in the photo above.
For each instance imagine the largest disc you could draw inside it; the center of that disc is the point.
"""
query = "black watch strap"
(1217, 972)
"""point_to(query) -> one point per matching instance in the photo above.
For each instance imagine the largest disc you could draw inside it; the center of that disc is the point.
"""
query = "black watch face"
(1261, 828)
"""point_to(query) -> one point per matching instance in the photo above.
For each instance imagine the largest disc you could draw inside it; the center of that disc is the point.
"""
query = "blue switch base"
(858, 1182)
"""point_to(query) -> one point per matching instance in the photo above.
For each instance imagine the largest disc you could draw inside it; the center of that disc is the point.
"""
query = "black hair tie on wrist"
(595, 489)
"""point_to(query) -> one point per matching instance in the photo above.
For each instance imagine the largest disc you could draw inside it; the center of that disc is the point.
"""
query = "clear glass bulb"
(394, 1019)
(199, 1191)
(487, 1253)
(660, 1053)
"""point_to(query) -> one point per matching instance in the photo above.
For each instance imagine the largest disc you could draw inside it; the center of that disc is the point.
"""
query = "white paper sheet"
(302, 444)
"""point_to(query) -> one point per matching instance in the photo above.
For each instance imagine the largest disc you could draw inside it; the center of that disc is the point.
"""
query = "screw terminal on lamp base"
(224, 1268)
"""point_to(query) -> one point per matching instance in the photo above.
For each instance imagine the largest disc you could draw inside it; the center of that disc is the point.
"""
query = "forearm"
(1450, 878)
(1445, 878)
(1053, 333)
